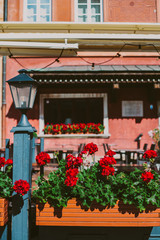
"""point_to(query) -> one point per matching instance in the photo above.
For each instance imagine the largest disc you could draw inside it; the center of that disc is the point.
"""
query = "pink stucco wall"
(123, 130)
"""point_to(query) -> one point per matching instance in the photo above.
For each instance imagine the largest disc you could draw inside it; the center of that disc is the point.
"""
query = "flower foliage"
(133, 188)
(5, 185)
(98, 182)
(74, 128)
(5, 178)
(43, 158)
(21, 187)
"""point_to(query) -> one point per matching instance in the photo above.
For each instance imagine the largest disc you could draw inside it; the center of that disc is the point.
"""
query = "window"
(88, 11)
(37, 10)
(73, 108)
(132, 108)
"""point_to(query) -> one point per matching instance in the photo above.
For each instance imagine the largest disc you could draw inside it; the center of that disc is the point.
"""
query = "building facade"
(114, 81)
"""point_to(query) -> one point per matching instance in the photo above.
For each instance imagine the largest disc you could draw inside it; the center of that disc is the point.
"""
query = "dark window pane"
(95, 1)
(73, 110)
(82, 1)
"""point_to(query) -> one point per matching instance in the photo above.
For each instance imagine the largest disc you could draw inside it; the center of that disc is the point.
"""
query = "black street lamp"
(23, 89)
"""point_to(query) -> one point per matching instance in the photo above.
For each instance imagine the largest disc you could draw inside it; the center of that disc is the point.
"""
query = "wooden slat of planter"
(73, 215)
(78, 210)
(99, 224)
(3, 211)
(108, 215)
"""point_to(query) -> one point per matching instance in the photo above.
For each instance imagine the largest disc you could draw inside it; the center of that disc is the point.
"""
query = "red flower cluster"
(91, 148)
(21, 187)
(147, 176)
(108, 170)
(149, 154)
(73, 128)
(9, 162)
(107, 162)
(43, 158)
(110, 153)
(73, 162)
(4, 162)
(72, 170)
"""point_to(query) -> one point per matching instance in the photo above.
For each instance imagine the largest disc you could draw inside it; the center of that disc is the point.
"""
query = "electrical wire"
(11, 56)
(86, 61)
(100, 63)
(56, 60)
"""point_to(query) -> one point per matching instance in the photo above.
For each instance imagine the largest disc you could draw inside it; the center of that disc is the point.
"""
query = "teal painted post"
(7, 149)
(33, 146)
(41, 150)
(42, 145)
(155, 234)
(21, 170)
(3, 232)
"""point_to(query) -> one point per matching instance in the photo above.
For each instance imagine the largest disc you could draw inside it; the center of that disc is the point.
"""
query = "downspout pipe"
(5, 16)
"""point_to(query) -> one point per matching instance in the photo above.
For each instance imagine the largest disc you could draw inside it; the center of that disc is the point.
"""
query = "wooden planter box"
(3, 211)
(118, 216)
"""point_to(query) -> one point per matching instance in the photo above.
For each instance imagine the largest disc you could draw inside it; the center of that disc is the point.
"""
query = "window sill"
(74, 136)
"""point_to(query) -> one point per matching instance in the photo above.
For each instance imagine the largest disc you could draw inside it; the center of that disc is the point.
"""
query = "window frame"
(89, 14)
(37, 13)
(74, 95)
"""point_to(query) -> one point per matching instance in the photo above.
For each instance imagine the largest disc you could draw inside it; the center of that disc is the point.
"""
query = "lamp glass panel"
(33, 95)
(23, 92)
(14, 95)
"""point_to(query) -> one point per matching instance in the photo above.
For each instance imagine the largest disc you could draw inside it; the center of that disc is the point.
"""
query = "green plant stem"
(80, 186)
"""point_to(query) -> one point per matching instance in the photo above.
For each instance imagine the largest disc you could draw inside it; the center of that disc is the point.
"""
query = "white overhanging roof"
(17, 38)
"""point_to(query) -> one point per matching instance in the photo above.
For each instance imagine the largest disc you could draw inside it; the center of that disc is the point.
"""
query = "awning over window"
(97, 74)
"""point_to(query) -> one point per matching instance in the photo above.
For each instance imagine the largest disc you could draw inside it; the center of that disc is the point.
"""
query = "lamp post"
(23, 89)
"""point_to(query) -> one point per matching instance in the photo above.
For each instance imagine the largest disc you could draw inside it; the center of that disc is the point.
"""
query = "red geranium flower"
(9, 162)
(147, 176)
(2, 162)
(73, 162)
(21, 187)
(43, 158)
(72, 172)
(107, 161)
(78, 161)
(91, 148)
(71, 181)
(110, 153)
(149, 154)
(107, 170)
